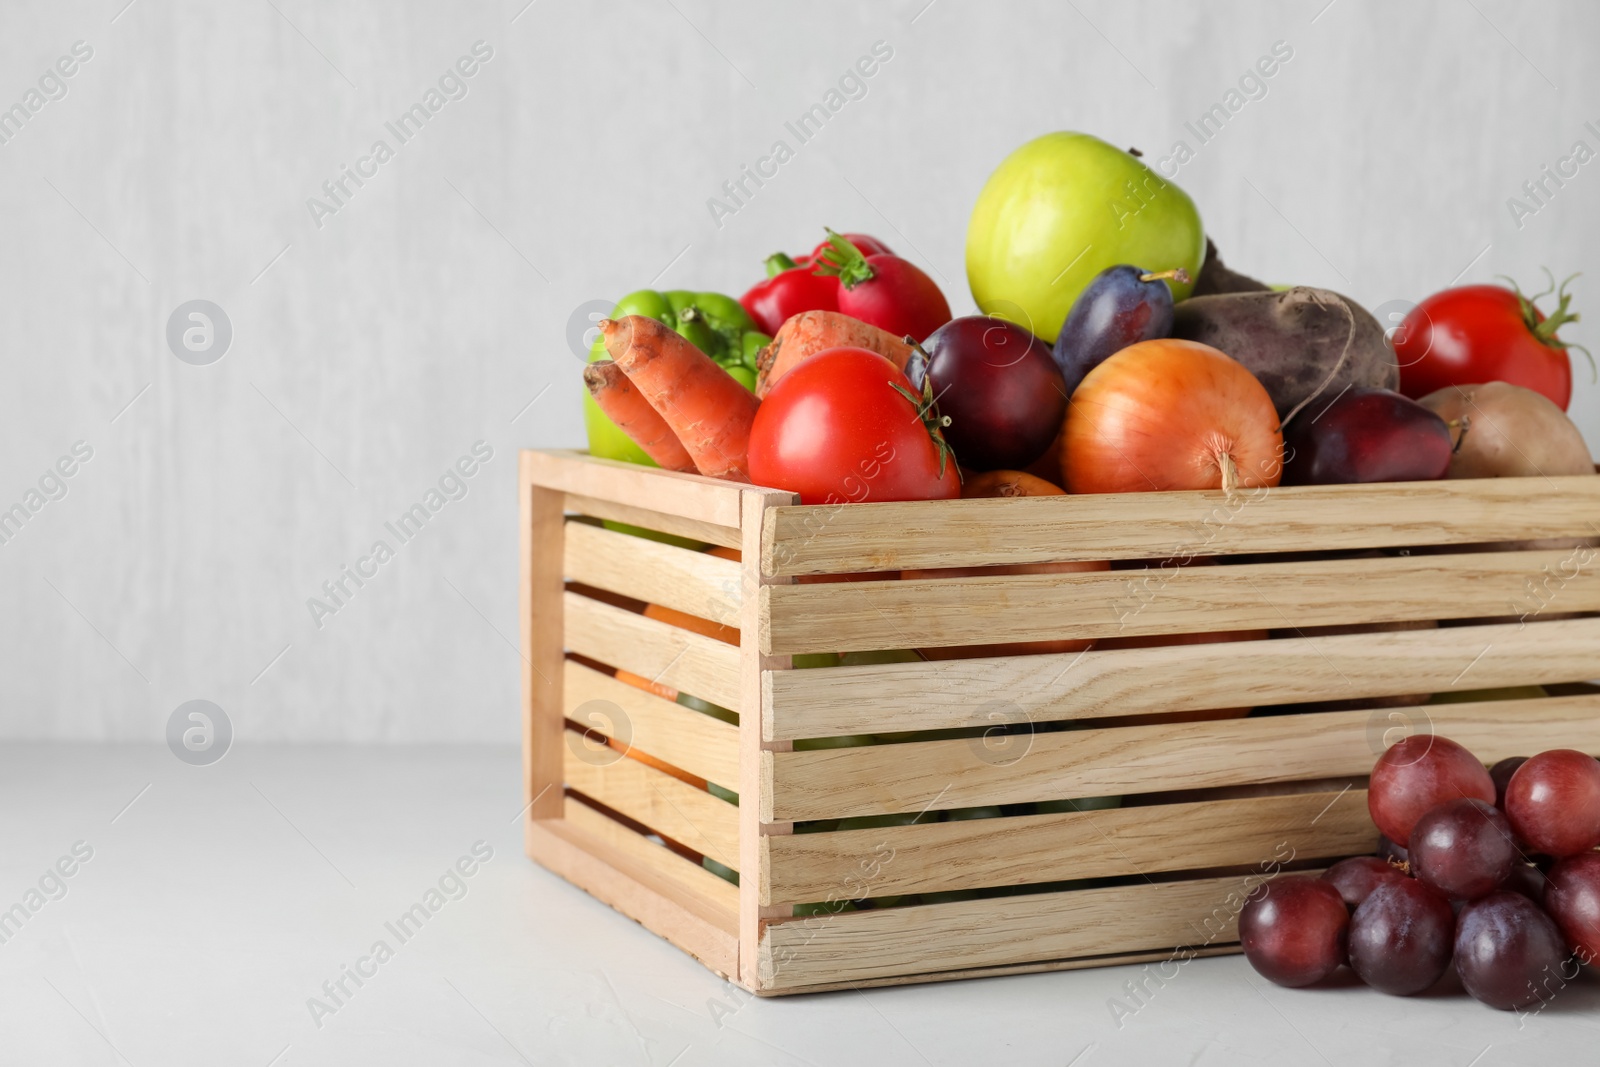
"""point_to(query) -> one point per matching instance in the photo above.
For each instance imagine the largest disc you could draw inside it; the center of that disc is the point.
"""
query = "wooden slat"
(695, 582)
(693, 529)
(828, 702)
(962, 974)
(705, 747)
(672, 808)
(636, 890)
(539, 607)
(978, 533)
(693, 881)
(914, 776)
(753, 662)
(1027, 850)
(857, 616)
(686, 661)
(688, 496)
(867, 945)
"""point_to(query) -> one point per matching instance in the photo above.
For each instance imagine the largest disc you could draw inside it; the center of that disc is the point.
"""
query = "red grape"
(1572, 896)
(1553, 802)
(1293, 930)
(1463, 848)
(1402, 936)
(1500, 774)
(1508, 952)
(1357, 877)
(1418, 774)
(1388, 850)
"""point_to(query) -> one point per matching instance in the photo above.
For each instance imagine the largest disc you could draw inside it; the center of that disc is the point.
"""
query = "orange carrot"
(665, 692)
(634, 416)
(810, 332)
(703, 404)
(682, 619)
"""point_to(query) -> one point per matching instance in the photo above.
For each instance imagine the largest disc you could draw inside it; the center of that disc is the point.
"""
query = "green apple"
(1061, 209)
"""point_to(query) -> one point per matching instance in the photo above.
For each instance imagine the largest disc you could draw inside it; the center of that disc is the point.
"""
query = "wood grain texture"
(693, 529)
(615, 878)
(688, 496)
(666, 805)
(981, 533)
(753, 664)
(705, 747)
(686, 661)
(1031, 849)
(828, 702)
(678, 578)
(539, 608)
(912, 776)
(866, 945)
(858, 616)
(693, 882)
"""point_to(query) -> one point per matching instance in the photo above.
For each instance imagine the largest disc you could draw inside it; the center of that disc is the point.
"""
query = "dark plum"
(1366, 435)
(1509, 954)
(1463, 848)
(1402, 936)
(1357, 877)
(1416, 775)
(1501, 774)
(1572, 897)
(1293, 930)
(998, 386)
(1553, 802)
(1121, 306)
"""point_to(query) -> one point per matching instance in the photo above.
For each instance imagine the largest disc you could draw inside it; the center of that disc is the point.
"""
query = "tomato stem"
(844, 261)
(1544, 327)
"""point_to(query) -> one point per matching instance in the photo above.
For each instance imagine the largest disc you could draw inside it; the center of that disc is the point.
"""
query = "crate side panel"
(672, 808)
(704, 747)
(980, 533)
(1034, 849)
(677, 525)
(859, 616)
(915, 776)
(689, 496)
(829, 702)
(694, 582)
(678, 658)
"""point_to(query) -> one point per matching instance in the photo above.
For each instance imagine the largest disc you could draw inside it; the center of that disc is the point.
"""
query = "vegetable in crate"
(845, 427)
(998, 388)
(793, 286)
(884, 290)
(627, 408)
(701, 402)
(1506, 431)
(712, 322)
(1122, 306)
(1300, 342)
(1366, 435)
(810, 332)
(1487, 333)
(1162, 415)
(1061, 209)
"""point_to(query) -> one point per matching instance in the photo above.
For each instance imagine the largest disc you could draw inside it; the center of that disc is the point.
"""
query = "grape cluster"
(1494, 870)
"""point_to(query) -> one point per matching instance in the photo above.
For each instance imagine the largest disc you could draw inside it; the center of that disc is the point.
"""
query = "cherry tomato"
(842, 427)
(1485, 333)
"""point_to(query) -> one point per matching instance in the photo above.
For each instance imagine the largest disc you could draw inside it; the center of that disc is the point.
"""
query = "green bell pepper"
(715, 323)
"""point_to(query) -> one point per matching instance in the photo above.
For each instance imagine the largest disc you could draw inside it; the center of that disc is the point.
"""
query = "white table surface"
(219, 901)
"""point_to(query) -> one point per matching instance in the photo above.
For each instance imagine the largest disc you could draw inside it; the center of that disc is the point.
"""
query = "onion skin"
(1169, 415)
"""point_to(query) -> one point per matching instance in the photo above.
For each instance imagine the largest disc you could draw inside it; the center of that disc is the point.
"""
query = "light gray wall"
(427, 312)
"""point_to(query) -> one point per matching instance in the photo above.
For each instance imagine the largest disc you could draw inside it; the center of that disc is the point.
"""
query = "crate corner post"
(543, 534)
(755, 519)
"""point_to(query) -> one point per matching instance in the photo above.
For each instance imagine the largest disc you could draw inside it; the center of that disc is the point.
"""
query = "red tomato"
(881, 289)
(836, 430)
(1484, 333)
(869, 246)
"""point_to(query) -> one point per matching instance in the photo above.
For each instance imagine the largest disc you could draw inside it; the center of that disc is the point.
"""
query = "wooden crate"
(1210, 807)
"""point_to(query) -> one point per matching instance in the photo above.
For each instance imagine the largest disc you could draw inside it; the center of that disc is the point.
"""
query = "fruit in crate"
(1366, 435)
(1300, 343)
(1487, 333)
(1170, 414)
(997, 385)
(1121, 306)
(1059, 210)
